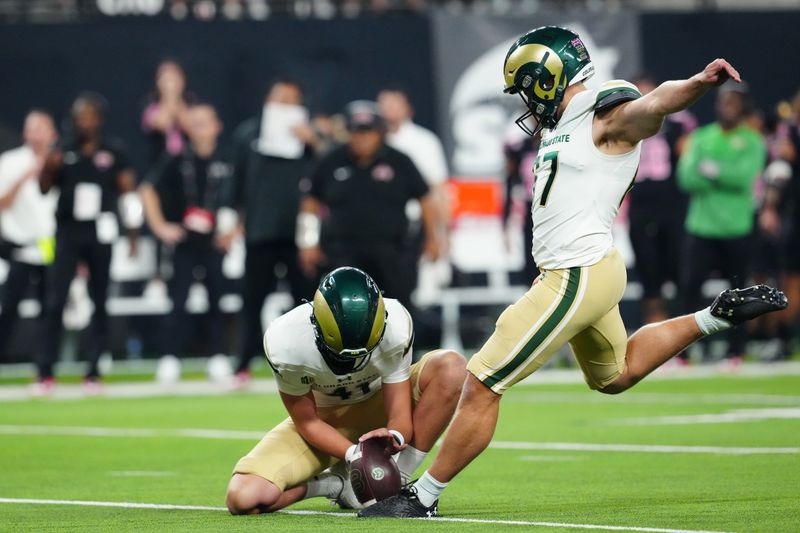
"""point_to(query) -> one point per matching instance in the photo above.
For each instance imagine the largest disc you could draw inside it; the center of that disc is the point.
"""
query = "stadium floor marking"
(140, 473)
(16, 393)
(550, 458)
(171, 507)
(655, 398)
(736, 416)
(224, 434)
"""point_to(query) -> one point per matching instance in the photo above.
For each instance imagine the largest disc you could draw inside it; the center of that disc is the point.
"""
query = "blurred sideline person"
(94, 181)
(182, 197)
(363, 188)
(792, 244)
(164, 118)
(344, 373)
(520, 152)
(719, 165)
(587, 161)
(27, 219)
(426, 152)
(266, 194)
(658, 208)
(780, 214)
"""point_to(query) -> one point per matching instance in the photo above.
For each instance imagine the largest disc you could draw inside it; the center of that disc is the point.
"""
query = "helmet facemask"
(542, 95)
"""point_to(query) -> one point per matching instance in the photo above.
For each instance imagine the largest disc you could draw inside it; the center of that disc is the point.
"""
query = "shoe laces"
(410, 490)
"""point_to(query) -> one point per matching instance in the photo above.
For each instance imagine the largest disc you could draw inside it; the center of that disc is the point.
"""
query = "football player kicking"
(344, 372)
(590, 144)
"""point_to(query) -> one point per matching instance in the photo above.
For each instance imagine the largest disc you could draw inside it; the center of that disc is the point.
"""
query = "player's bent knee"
(249, 494)
(452, 368)
(611, 388)
(622, 383)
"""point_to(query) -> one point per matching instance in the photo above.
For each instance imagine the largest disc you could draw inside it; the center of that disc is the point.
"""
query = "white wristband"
(350, 455)
(307, 231)
(398, 437)
(131, 211)
(227, 219)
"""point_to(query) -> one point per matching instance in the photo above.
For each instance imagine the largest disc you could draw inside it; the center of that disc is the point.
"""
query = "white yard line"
(224, 434)
(737, 416)
(12, 393)
(127, 505)
(140, 473)
(550, 458)
(79, 431)
(640, 448)
(651, 398)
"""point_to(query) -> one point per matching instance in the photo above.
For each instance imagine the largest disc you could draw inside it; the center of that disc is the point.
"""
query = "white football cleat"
(347, 498)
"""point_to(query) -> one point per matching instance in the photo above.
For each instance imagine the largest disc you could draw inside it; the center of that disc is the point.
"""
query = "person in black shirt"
(363, 188)
(520, 152)
(779, 218)
(182, 197)
(92, 174)
(266, 193)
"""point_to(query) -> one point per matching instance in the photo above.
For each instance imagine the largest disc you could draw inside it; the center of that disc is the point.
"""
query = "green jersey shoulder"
(614, 92)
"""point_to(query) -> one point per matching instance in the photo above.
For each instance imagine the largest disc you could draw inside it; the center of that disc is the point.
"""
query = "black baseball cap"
(363, 115)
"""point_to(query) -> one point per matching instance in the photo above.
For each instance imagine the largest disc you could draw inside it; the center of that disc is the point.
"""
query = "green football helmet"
(539, 67)
(349, 319)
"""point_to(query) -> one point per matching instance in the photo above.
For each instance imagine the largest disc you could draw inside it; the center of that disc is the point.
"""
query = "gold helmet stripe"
(327, 323)
(377, 325)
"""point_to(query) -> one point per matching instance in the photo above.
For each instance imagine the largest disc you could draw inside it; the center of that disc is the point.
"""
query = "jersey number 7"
(552, 157)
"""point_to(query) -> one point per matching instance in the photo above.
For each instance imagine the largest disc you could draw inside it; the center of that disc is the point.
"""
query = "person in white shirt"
(27, 218)
(426, 152)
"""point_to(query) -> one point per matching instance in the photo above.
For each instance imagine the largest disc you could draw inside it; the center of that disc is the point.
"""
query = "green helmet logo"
(539, 67)
(349, 319)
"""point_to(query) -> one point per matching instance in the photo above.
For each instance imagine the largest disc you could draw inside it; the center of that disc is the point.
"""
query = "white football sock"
(325, 484)
(709, 324)
(428, 489)
(408, 461)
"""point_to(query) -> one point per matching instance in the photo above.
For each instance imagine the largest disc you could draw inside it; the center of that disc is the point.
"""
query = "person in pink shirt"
(164, 117)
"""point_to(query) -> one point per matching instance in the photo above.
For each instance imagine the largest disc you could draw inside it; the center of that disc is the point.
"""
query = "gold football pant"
(577, 305)
(285, 459)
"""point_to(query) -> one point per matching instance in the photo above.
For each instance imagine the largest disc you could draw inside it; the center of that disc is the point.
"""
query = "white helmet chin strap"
(584, 74)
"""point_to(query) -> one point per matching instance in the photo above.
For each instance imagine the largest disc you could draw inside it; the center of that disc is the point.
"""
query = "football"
(373, 473)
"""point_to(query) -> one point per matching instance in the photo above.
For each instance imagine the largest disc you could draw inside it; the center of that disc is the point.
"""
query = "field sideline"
(718, 453)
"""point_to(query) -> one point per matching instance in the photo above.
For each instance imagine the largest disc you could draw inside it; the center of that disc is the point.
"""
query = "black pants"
(261, 279)
(657, 244)
(530, 269)
(21, 276)
(383, 261)
(73, 246)
(186, 257)
(729, 257)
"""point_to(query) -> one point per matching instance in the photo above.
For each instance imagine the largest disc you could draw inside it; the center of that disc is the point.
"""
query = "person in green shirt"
(718, 168)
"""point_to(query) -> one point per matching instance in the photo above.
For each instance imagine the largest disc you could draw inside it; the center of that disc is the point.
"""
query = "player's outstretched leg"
(654, 344)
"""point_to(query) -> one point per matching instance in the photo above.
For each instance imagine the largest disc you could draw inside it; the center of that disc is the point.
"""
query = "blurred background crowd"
(175, 222)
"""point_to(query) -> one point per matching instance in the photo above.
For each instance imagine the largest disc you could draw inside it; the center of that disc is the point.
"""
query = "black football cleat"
(739, 305)
(404, 504)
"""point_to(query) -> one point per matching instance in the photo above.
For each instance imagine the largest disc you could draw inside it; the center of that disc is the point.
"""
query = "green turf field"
(735, 468)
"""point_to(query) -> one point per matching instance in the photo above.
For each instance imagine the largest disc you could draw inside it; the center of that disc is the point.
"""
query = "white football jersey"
(578, 188)
(299, 367)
